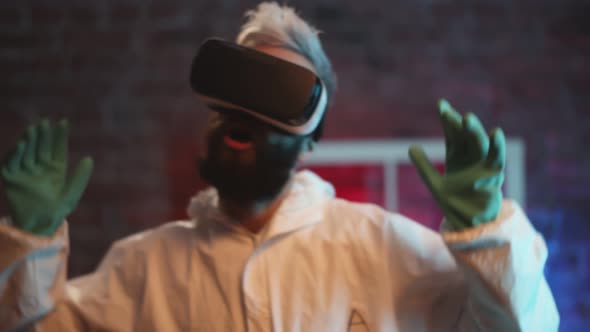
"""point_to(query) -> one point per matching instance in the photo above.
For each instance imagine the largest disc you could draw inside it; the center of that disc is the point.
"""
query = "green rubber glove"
(470, 191)
(34, 176)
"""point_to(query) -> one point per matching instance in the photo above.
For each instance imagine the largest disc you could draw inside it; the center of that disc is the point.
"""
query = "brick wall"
(118, 71)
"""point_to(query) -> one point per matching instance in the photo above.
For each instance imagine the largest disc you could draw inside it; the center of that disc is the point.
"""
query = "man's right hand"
(34, 175)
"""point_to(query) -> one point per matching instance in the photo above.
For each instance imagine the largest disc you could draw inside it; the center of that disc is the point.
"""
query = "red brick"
(83, 16)
(45, 15)
(10, 16)
(172, 88)
(88, 61)
(76, 38)
(169, 63)
(447, 12)
(10, 67)
(124, 13)
(37, 64)
(14, 90)
(490, 11)
(165, 11)
(182, 37)
(28, 40)
(50, 86)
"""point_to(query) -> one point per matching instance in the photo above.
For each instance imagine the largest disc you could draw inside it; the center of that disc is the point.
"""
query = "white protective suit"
(321, 264)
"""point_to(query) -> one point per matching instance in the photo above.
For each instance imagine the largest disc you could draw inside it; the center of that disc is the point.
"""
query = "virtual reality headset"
(227, 76)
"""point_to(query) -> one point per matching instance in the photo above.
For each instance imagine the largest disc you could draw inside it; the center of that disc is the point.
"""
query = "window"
(381, 172)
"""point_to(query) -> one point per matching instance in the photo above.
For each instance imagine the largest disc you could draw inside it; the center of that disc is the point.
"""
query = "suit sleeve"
(486, 278)
(34, 293)
(503, 264)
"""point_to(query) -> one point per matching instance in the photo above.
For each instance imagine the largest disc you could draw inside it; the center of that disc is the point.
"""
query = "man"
(269, 249)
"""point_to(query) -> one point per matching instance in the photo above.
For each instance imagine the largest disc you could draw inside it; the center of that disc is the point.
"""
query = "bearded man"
(267, 248)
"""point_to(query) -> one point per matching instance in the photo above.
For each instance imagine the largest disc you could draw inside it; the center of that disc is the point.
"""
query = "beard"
(262, 178)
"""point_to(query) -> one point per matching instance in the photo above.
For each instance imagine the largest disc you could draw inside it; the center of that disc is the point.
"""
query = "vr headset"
(227, 76)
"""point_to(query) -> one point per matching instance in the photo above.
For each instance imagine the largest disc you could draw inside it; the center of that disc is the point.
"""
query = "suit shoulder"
(368, 214)
(348, 213)
(168, 234)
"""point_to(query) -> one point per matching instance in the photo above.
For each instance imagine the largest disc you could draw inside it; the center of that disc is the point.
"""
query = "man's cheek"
(283, 142)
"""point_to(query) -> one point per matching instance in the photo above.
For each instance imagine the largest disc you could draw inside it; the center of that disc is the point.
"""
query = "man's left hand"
(470, 191)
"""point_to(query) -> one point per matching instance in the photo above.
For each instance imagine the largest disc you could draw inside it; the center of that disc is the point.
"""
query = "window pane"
(358, 183)
(414, 198)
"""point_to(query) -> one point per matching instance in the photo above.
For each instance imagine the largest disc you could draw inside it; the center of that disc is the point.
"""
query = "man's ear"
(310, 144)
(307, 148)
